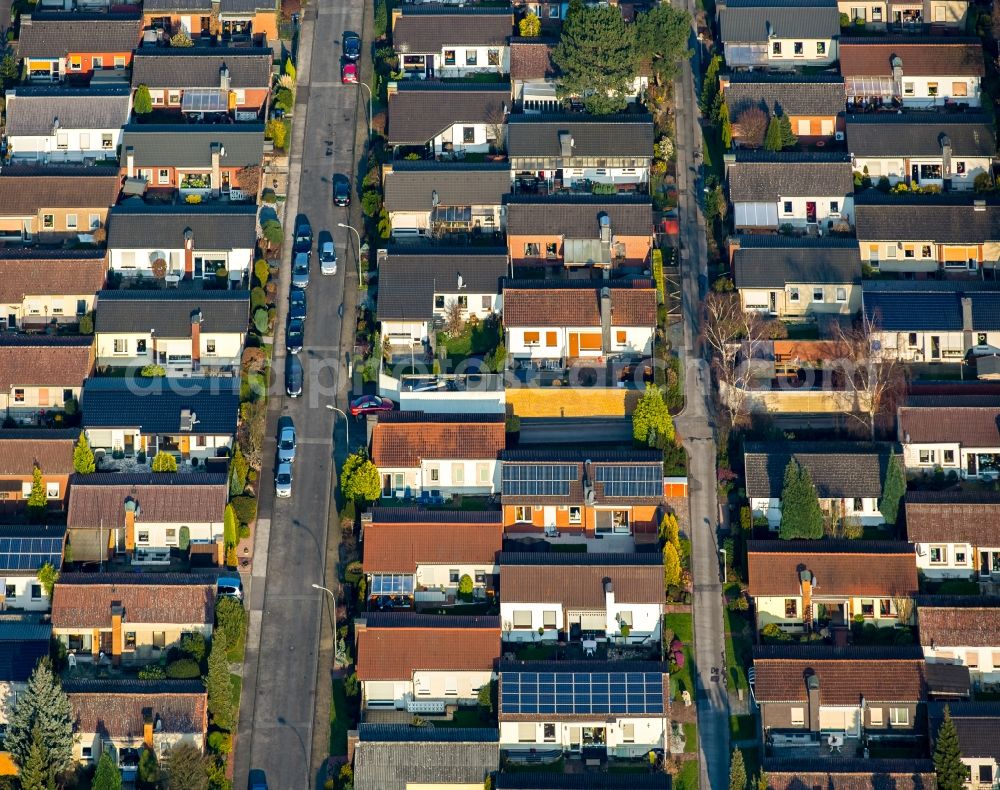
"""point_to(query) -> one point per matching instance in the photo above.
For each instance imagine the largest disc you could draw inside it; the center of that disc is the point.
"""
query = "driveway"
(295, 547)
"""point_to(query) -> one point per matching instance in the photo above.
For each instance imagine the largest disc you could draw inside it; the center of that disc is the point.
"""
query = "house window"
(927, 456)
(793, 295)
(87, 753)
(210, 347)
(985, 774)
(787, 207)
(907, 88)
(817, 294)
(531, 250)
(531, 338)
(52, 490)
(620, 338)
(487, 303)
(493, 57)
(876, 14)
(925, 251)
(549, 618)
(522, 514)
(468, 134)
(522, 618)
(48, 221)
(551, 339)
(140, 346)
(450, 687)
(526, 732)
(834, 206)
(628, 733)
(890, 251)
(174, 97)
(67, 395)
(625, 618)
(71, 222)
(551, 249)
(435, 474)
(859, 505)
(553, 11)
(575, 515)
(885, 607)
(19, 395)
(170, 535)
(799, 49)
(120, 346)
(458, 473)
(899, 717)
(471, 57)
(10, 591)
(62, 141)
(875, 717)
(454, 576)
(480, 577)
(867, 608)
(959, 89)
(776, 48)
(463, 302)
(938, 555)
(119, 61)
(439, 302)
(841, 294)
(932, 89)
(143, 537)
(821, 48)
(25, 490)
(960, 168)
(107, 142)
(549, 733)
(94, 221)
(960, 560)
(449, 57)
(483, 473)
(36, 592)
(911, 340)
(159, 639)
(75, 62)
(798, 717)
(949, 456)
(130, 640)
(791, 608)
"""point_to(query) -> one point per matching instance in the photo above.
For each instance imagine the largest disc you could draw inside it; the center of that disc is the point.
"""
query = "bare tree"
(496, 129)
(750, 127)
(904, 608)
(872, 373)
(249, 179)
(454, 318)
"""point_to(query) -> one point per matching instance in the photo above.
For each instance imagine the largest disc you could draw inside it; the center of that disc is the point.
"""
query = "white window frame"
(899, 717)
(797, 717)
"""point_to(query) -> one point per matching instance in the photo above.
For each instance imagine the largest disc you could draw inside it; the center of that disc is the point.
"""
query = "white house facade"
(759, 35)
(965, 632)
(957, 534)
(452, 42)
(963, 441)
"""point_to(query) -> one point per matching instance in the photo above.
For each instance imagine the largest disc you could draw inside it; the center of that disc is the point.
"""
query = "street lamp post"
(334, 597)
(347, 426)
(355, 232)
(365, 86)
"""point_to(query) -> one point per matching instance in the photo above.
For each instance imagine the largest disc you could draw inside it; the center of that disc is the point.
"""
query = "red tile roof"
(970, 426)
(400, 548)
(398, 443)
(396, 653)
(868, 775)
(842, 681)
(581, 307)
(953, 518)
(20, 452)
(531, 59)
(581, 586)
(122, 715)
(44, 364)
(20, 277)
(26, 191)
(960, 626)
(866, 58)
(78, 602)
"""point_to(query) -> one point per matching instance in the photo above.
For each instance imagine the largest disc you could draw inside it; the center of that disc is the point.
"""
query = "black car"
(352, 47)
(297, 305)
(303, 235)
(293, 377)
(341, 191)
(293, 336)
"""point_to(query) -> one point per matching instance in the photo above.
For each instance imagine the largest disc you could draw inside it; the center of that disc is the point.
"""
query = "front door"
(773, 306)
(129, 444)
(915, 174)
(199, 267)
(550, 515)
(574, 344)
(984, 563)
(12, 320)
(810, 211)
(970, 464)
(935, 347)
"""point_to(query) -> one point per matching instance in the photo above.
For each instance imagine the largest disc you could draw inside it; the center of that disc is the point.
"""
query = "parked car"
(297, 305)
(352, 47)
(341, 191)
(349, 73)
(293, 336)
(283, 481)
(303, 235)
(286, 439)
(294, 377)
(229, 587)
(258, 781)
(370, 404)
(300, 270)
(327, 253)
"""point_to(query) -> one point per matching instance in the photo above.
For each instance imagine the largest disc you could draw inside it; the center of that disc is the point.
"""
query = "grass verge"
(687, 779)
(340, 720)
(690, 737)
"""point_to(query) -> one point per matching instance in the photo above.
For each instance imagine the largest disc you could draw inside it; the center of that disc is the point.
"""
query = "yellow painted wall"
(571, 402)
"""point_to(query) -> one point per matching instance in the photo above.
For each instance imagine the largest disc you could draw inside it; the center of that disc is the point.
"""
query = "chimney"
(897, 67)
(196, 339)
(565, 144)
(604, 225)
(224, 77)
(588, 485)
(130, 508)
(806, 585)
(391, 89)
(147, 728)
(461, 282)
(216, 149)
(967, 325)
(188, 253)
(606, 319)
(396, 14)
(946, 161)
(812, 689)
(117, 616)
(130, 161)
(609, 594)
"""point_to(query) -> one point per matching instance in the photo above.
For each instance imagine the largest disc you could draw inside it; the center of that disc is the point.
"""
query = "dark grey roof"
(920, 134)
(172, 145)
(177, 5)
(948, 679)
(582, 781)
(838, 469)
(198, 67)
(154, 226)
(155, 405)
(429, 30)
(592, 135)
(814, 652)
(244, 6)
(773, 261)
(392, 765)
(416, 515)
(757, 20)
(408, 733)
(790, 94)
(22, 642)
(33, 111)
(413, 620)
(410, 186)
(170, 312)
(922, 305)
(829, 546)
(758, 176)
(55, 34)
(978, 725)
(419, 111)
(409, 278)
(577, 216)
(577, 558)
(848, 765)
(950, 218)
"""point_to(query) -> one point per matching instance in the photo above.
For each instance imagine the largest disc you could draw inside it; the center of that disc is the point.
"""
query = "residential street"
(281, 675)
(696, 427)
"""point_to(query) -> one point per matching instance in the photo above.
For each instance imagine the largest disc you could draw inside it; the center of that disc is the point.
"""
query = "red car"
(349, 73)
(370, 404)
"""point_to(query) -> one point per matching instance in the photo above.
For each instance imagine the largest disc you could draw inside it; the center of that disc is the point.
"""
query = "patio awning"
(134, 186)
(586, 251)
(205, 100)
(871, 86)
(539, 90)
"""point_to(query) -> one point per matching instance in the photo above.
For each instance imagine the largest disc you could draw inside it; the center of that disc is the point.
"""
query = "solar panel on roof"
(29, 554)
(538, 479)
(595, 693)
(630, 481)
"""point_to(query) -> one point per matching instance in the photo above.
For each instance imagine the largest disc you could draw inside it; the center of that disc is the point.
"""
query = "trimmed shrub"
(245, 508)
(183, 669)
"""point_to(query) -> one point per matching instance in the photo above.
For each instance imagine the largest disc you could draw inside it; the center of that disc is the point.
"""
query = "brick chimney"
(117, 638)
(967, 325)
(352, 735)
(130, 161)
(147, 728)
(806, 585)
(606, 319)
(130, 508)
(188, 253)
(196, 339)
(812, 690)
(218, 150)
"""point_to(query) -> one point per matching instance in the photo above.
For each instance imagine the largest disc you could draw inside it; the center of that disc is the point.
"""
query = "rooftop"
(741, 22)
(920, 134)
(424, 185)
(147, 600)
(452, 756)
(917, 305)
(214, 227)
(921, 56)
(531, 59)
(838, 469)
(554, 305)
(23, 449)
(842, 773)
(544, 135)
(774, 261)
(199, 67)
(420, 110)
(978, 725)
(185, 145)
(791, 94)
(172, 312)
(33, 112)
(26, 189)
(421, 29)
(52, 34)
(953, 517)
(581, 584)
(761, 175)
(403, 547)
(949, 623)
(578, 216)
(42, 361)
(37, 272)
(22, 643)
(967, 426)
(407, 438)
(119, 709)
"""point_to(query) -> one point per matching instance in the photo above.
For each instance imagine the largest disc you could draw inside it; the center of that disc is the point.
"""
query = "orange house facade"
(814, 104)
(76, 47)
(222, 22)
(21, 450)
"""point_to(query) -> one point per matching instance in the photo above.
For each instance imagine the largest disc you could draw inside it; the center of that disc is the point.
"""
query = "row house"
(584, 493)
(813, 103)
(420, 663)
(440, 455)
(40, 287)
(775, 35)
(55, 124)
(552, 708)
(797, 277)
(121, 716)
(42, 373)
(978, 728)
(955, 232)
(24, 449)
(183, 331)
(193, 419)
(416, 556)
(24, 550)
(848, 773)
(962, 630)
(213, 161)
(770, 191)
(922, 150)
(400, 756)
(77, 47)
(534, 75)
(589, 596)
(237, 22)
(447, 119)
(418, 285)
(447, 42)
(579, 230)
(130, 619)
(438, 199)
(957, 533)
(24, 641)
(526, 779)
(184, 242)
(142, 517)
(556, 152)
(847, 476)
(941, 321)
(555, 326)
(907, 15)
(915, 72)
(811, 585)
(206, 82)
(51, 204)
(956, 438)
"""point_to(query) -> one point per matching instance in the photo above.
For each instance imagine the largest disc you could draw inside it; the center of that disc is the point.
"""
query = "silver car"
(283, 480)
(300, 270)
(327, 254)
(286, 439)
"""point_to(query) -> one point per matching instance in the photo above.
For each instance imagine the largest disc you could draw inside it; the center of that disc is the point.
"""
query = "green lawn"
(739, 649)
(690, 737)
(687, 779)
(682, 626)
(742, 728)
(340, 720)
(473, 341)
(467, 717)
(536, 653)
(712, 152)
(798, 330)
(536, 768)
(236, 686)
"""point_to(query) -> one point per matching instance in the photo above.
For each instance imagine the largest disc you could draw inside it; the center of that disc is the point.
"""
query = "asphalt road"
(276, 731)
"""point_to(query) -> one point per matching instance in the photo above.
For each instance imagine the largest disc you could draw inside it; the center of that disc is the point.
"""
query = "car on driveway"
(294, 377)
(327, 253)
(300, 270)
(283, 480)
(349, 73)
(297, 305)
(341, 191)
(352, 47)
(229, 587)
(286, 439)
(258, 781)
(293, 336)
(370, 404)
(303, 235)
